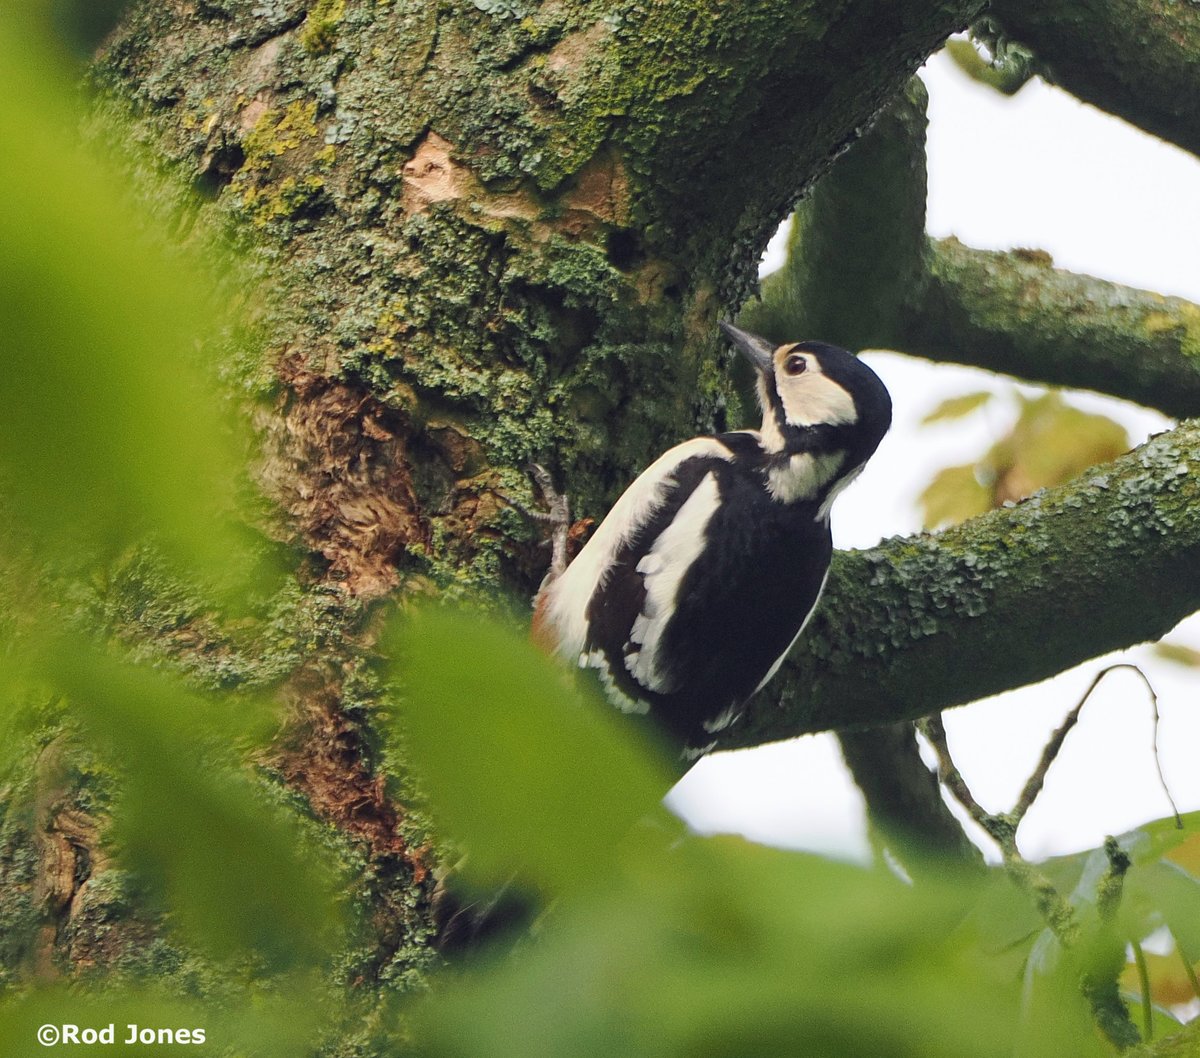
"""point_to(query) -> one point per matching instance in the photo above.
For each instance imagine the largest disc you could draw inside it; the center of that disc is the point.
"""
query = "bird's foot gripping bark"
(557, 515)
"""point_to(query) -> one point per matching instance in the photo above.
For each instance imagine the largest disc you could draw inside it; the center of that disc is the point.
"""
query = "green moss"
(278, 131)
(319, 32)
(284, 199)
(19, 915)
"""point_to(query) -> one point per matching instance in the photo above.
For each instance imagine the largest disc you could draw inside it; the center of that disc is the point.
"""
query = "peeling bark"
(67, 842)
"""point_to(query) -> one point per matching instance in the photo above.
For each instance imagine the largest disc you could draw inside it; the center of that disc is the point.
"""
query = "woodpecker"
(693, 589)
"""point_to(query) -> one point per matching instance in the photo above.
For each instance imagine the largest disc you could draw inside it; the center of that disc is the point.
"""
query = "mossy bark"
(1138, 59)
(496, 231)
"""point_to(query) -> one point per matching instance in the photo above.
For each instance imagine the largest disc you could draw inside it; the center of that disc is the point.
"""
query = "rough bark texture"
(498, 231)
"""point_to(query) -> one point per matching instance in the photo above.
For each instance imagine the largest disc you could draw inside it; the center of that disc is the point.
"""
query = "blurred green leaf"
(1159, 888)
(108, 427)
(954, 495)
(1178, 654)
(272, 1022)
(1050, 443)
(533, 779)
(719, 947)
(957, 407)
(234, 871)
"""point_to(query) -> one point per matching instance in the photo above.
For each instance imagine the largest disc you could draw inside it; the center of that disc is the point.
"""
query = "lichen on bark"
(494, 233)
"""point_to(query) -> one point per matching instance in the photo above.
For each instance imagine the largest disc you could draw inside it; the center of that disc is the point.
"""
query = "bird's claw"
(557, 515)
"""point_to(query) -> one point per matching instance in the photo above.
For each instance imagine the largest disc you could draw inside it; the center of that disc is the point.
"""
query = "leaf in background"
(1178, 654)
(234, 871)
(108, 429)
(954, 495)
(1170, 983)
(530, 777)
(1160, 888)
(957, 407)
(1051, 443)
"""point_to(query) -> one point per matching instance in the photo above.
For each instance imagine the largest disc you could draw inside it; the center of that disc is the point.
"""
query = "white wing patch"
(568, 596)
(663, 568)
(596, 660)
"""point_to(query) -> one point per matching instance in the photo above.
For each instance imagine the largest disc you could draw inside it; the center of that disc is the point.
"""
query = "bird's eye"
(795, 364)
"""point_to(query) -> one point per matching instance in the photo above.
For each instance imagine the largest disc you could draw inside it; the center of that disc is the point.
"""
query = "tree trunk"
(496, 232)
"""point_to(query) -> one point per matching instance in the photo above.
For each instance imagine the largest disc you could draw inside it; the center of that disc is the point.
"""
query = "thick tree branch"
(856, 253)
(1138, 59)
(1014, 313)
(904, 801)
(925, 623)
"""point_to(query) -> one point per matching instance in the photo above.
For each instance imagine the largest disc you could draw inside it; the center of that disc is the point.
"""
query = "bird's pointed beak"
(755, 349)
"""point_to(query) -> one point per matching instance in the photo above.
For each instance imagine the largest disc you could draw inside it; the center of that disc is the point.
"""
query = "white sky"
(1036, 170)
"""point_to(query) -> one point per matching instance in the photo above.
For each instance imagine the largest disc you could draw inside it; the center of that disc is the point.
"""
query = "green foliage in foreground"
(650, 941)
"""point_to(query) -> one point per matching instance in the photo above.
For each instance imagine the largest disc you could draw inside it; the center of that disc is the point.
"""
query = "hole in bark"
(219, 169)
(624, 249)
(544, 98)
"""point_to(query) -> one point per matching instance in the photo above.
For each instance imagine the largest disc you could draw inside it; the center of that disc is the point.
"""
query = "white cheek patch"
(814, 398)
(771, 438)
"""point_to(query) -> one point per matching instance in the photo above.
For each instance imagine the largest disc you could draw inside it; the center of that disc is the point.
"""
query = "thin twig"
(1037, 780)
(935, 734)
(1112, 885)
(1157, 758)
(1110, 1013)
